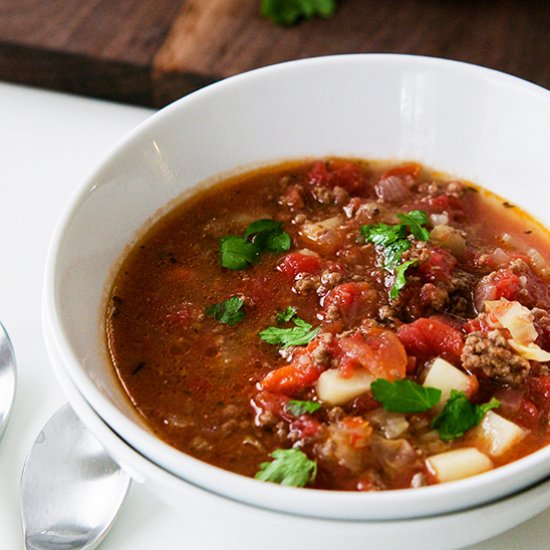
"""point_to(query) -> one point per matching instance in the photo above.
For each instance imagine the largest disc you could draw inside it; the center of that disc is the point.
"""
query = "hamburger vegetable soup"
(339, 324)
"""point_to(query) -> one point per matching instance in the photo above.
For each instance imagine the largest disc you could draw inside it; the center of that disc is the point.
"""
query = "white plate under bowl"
(465, 120)
(231, 525)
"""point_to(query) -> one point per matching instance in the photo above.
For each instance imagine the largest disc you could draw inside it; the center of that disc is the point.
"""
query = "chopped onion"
(392, 425)
(392, 189)
(396, 454)
(538, 263)
(330, 223)
(439, 219)
(450, 238)
(500, 257)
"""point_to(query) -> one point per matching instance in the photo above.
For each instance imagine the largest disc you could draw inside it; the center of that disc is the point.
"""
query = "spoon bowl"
(8, 378)
(71, 490)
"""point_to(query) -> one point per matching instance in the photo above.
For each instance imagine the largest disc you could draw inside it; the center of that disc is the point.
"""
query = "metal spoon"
(8, 378)
(71, 490)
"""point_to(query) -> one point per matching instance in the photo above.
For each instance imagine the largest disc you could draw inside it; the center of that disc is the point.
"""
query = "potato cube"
(459, 464)
(332, 388)
(445, 377)
(497, 434)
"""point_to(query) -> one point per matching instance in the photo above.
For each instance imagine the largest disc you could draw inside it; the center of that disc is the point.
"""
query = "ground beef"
(364, 212)
(305, 284)
(324, 195)
(333, 313)
(341, 196)
(418, 251)
(434, 296)
(321, 354)
(329, 279)
(491, 356)
(293, 197)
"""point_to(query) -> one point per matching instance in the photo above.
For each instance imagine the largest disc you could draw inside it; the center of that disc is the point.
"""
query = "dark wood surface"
(150, 52)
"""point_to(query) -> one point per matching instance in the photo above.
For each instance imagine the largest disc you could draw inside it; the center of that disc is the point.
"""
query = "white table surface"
(48, 143)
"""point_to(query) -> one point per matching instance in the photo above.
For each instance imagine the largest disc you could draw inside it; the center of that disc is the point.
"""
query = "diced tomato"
(431, 337)
(479, 324)
(295, 263)
(357, 429)
(354, 301)
(444, 203)
(534, 292)
(529, 414)
(305, 427)
(409, 169)
(347, 176)
(378, 350)
(503, 283)
(506, 284)
(343, 174)
(439, 266)
(291, 379)
(539, 391)
(274, 403)
(319, 175)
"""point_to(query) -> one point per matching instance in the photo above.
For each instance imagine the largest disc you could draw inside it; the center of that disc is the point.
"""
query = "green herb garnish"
(286, 315)
(260, 236)
(383, 234)
(288, 12)
(400, 280)
(459, 415)
(237, 252)
(393, 239)
(404, 396)
(229, 311)
(414, 220)
(290, 467)
(299, 335)
(297, 408)
(261, 227)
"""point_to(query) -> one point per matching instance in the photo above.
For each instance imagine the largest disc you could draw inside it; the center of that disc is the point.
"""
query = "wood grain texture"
(151, 52)
(213, 39)
(103, 48)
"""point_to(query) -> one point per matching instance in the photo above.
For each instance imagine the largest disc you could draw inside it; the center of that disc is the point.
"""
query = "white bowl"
(241, 526)
(465, 120)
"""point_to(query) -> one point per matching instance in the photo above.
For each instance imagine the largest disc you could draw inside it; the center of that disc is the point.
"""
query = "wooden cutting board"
(150, 52)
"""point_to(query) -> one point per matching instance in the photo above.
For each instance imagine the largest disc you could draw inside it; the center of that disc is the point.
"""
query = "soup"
(339, 324)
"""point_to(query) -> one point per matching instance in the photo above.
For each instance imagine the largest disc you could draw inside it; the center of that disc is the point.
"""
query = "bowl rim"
(320, 503)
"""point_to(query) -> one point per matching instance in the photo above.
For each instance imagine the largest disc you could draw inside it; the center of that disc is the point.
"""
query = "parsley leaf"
(299, 335)
(229, 311)
(269, 235)
(261, 226)
(276, 241)
(459, 415)
(290, 467)
(296, 407)
(404, 396)
(393, 239)
(286, 315)
(400, 280)
(414, 220)
(237, 252)
(240, 252)
(288, 12)
(393, 253)
(383, 234)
